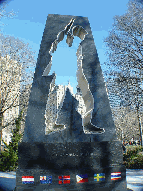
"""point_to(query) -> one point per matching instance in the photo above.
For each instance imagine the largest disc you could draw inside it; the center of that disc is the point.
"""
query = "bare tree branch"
(125, 51)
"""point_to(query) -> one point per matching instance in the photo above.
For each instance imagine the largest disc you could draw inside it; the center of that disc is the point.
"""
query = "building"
(81, 109)
(55, 101)
(9, 96)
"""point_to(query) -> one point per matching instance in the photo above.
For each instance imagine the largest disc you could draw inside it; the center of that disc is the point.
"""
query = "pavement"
(134, 180)
(7, 181)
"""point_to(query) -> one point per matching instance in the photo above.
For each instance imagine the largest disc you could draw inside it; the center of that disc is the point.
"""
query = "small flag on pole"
(82, 178)
(45, 179)
(64, 179)
(27, 179)
(99, 177)
(115, 175)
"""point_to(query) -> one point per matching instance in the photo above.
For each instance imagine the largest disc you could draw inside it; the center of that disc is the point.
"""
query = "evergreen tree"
(9, 157)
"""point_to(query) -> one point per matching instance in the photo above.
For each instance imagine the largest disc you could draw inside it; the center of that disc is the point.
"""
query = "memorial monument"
(84, 152)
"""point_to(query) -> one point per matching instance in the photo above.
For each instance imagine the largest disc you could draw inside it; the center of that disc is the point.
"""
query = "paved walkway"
(134, 180)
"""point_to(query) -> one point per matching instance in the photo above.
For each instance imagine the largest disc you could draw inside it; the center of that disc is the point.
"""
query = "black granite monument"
(85, 154)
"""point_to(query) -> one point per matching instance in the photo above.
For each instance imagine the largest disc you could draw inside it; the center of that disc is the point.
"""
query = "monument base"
(108, 184)
(98, 161)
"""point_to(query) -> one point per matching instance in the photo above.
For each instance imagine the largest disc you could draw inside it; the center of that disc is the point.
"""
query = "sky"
(29, 23)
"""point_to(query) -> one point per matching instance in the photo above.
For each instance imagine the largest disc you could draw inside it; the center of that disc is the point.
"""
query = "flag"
(99, 177)
(27, 179)
(45, 179)
(64, 179)
(82, 178)
(115, 175)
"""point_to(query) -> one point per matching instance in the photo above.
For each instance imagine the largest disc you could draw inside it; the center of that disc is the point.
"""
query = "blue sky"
(29, 23)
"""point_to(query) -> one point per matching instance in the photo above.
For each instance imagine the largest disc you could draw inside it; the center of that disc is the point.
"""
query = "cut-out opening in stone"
(82, 81)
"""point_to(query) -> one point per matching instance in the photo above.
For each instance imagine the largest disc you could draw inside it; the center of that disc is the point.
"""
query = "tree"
(16, 62)
(9, 157)
(125, 50)
(9, 84)
(3, 13)
(126, 123)
(23, 102)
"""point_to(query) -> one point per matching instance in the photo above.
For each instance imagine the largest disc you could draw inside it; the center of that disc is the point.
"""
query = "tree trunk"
(0, 131)
(139, 122)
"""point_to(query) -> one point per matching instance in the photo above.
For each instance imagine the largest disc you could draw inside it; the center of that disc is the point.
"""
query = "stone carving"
(70, 151)
(82, 81)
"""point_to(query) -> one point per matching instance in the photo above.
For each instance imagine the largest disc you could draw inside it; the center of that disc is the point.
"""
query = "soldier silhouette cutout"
(81, 78)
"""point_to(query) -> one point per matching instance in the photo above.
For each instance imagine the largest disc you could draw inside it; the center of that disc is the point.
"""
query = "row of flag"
(66, 179)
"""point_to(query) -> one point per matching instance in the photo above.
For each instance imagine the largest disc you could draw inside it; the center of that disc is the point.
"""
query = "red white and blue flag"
(82, 178)
(64, 179)
(46, 179)
(27, 179)
(115, 175)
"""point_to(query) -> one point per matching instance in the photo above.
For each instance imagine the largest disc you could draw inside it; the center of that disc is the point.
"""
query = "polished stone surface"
(134, 180)
(92, 73)
(70, 150)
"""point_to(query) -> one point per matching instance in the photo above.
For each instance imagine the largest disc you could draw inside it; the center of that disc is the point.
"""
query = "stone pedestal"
(56, 159)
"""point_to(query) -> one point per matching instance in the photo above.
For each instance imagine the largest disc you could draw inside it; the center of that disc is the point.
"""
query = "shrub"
(9, 157)
(133, 158)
